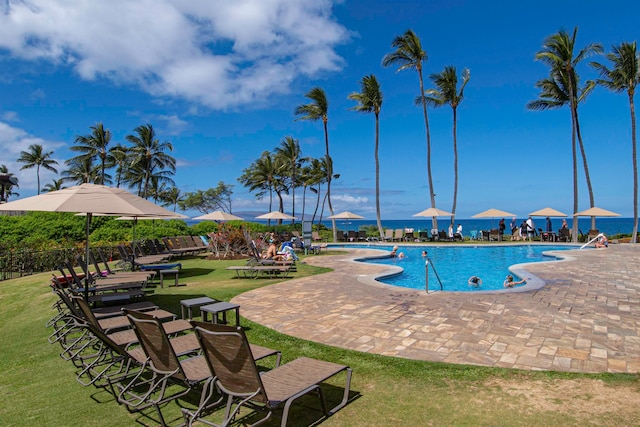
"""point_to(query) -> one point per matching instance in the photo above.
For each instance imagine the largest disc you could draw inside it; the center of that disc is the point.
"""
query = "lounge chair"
(398, 234)
(388, 235)
(165, 366)
(315, 236)
(235, 373)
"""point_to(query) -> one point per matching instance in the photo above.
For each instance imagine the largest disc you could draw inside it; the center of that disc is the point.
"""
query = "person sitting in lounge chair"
(272, 251)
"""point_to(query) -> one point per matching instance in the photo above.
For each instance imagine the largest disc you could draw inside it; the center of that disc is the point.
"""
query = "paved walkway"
(586, 318)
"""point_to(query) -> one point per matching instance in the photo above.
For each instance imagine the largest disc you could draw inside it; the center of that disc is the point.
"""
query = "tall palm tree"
(6, 187)
(318, 109)
(447, 93)
(289, 151)
(150, 154)
(54, 185)
(409, 55)
(369, 100)
(95, 146)
(625, 76)
(35, 156)
(558, 54)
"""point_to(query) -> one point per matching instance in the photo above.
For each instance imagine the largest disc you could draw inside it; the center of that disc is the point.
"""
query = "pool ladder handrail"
(433, 267)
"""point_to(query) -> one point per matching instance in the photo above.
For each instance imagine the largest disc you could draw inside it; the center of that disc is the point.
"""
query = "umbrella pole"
(87, 279)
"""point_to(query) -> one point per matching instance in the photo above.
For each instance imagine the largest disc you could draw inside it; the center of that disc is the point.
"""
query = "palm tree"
(447, 93)
(558, 53)
(409, 55)
(9, 181)
(35, 156)
(625, 76)
(150, 154)
(318, 109)
(369, 100)
(119, 156)
(264, 175)
(172, 197)
(289, 151)
(95, 146)
(82, 170)
(54, 185)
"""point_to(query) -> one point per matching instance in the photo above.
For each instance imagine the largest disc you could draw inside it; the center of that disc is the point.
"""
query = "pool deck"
(586, 318)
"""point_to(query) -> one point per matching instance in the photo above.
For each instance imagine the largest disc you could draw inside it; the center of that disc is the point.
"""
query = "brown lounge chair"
(233, 367)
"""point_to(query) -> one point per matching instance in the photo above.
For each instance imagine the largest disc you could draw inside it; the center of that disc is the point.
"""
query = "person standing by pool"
(513, 225)
(549, 225)
(450, 232)
(531, 228)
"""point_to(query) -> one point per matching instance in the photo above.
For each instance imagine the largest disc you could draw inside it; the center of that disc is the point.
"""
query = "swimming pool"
(455, 264)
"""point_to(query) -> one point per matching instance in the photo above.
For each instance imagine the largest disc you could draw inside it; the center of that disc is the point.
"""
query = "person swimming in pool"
(509, 283)
(474, 281)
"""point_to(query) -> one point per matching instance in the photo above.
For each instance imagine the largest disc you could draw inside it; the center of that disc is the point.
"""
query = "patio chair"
(398, 234)
(229, 355)
(165, 367)
(315, 236)
(388, 235)
(564, 235)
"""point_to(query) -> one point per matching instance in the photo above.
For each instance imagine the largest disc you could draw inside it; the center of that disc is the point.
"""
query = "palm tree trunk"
(455, 164)
(586, 169)
(38, 176)
(315, 211)
(329, 176)
(574, 159)
(432, 194)
(379, 221)
(293, 193)
(632, 108)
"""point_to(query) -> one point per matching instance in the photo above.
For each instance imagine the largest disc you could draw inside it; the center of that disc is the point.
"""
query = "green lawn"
(38, 388)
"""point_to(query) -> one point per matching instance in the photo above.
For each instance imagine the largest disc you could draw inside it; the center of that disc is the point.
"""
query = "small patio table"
(220, 307)
(189, 304)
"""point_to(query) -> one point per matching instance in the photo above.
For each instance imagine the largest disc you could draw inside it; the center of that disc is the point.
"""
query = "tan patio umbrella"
(219, 216)
(346, 215)
(89, 199)
(547, 212)
(431, 212)
(275, 215)
(595, 211)
(492, 213)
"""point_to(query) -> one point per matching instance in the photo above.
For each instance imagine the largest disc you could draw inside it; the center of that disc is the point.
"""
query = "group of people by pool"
(475, 281)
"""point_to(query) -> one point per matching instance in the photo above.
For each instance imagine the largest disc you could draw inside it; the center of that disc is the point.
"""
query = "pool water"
(455, 265)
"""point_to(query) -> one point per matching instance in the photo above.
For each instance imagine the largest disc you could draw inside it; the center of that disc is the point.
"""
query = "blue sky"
(221, 80)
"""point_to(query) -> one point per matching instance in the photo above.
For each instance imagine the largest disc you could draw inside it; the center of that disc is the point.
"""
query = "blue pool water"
(455, 265)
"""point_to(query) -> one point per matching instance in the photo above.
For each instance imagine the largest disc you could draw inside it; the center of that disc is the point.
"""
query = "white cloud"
(10, 116)
(220, 53)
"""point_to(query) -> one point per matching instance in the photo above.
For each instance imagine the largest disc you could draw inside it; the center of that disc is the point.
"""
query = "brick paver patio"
(585, 319)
